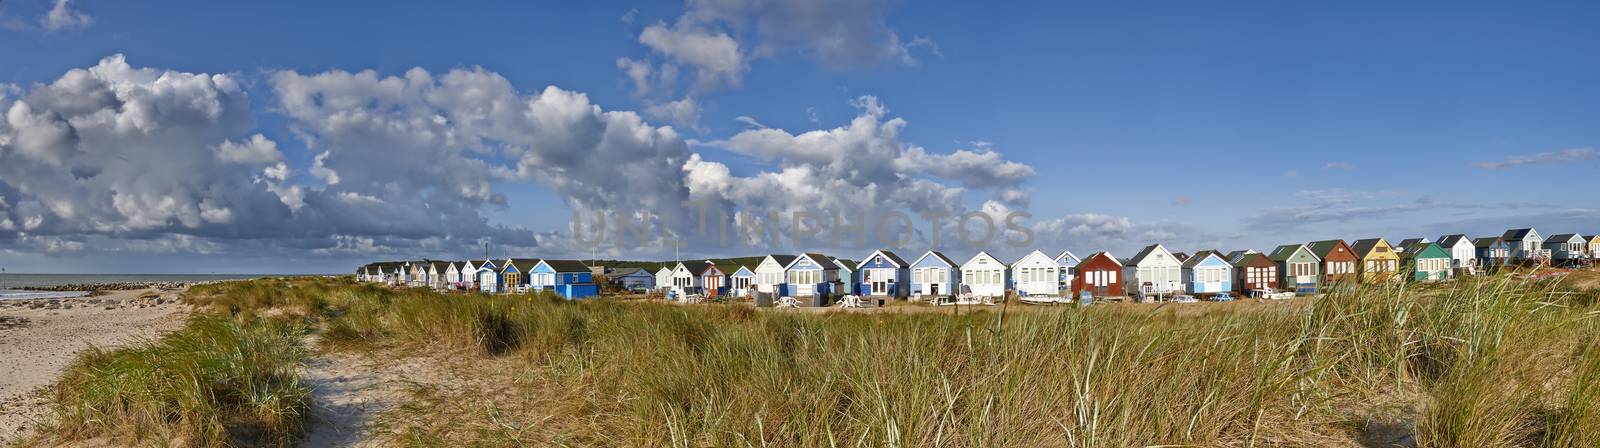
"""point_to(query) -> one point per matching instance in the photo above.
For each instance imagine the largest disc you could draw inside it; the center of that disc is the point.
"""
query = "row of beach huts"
(1155, 273)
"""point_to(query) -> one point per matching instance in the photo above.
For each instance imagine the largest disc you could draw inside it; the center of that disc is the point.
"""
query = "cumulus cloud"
(714, 55)
(119, 149)
(122, 158)
(62, 17)
(717, 39)
(837, 33)
(684, 112)
(861, 171)
(1562, 156)
(125, 155)
(427, 149)
(258, 149)
(1338, 166)
(868, 153)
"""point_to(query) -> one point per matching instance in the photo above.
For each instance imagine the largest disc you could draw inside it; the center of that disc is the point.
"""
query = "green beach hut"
(1299, 268)
(1427, 262)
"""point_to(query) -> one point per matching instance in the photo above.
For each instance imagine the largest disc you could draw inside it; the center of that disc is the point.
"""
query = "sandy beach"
(40, 337)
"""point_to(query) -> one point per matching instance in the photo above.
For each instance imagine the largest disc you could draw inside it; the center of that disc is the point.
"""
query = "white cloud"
(1338, 166)
(115, 148)
(120, 156)
(715, 56)
(257, 150)
(62, 17)
(319, 168)
(749, 121)
(683, 113)
(837, 33)
(718, 39)
(1562, 156)
(638, 71)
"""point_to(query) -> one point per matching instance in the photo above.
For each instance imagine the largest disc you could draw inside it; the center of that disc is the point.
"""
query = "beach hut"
(1379, 262)
(884, 274)
(1492, 252)
(570, 279)
(1426, 262)
(1154, 272)
(1098, 276)
(1254, 273)
(714, 280)
(741, 282)
(411, 275)
(469, 275)
(1067, 268)
(1339, 263)
(933, 276)
(851, 278)
(452, 275)
(516, 274)
(770, 272)
(1527, 247)
(488, 277)
(984, 276)
(1206, 272)
(1594, 248)
(812, 279)
(1463, 255)
(1567, 250)
(632, 279)
(1036, 274)
(664, 279)
(437, 271)
(1299, 268)
(686, 277)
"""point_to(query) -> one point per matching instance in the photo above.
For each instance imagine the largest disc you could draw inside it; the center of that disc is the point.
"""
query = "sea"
(16, 286)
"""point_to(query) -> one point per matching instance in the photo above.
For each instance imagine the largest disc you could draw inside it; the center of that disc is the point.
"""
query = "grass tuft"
(219, 381)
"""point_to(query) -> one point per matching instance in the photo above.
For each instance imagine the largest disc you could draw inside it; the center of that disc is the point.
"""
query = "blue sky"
(1196, 125)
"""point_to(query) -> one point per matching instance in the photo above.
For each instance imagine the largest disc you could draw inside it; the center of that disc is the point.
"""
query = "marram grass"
(218, 381)
(1477, 362)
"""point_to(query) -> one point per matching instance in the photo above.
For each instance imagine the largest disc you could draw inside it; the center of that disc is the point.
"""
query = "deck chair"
(788, 302)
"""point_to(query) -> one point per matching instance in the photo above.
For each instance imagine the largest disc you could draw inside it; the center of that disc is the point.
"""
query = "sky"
(308, 137)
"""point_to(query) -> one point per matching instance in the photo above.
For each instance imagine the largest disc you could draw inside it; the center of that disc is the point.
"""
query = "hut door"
(1097, 279)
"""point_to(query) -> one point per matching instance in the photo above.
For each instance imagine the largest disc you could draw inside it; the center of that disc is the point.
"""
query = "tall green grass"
(1477, 362)
(219, 381)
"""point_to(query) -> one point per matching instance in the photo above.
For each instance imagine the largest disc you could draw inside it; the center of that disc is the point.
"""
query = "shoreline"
(33, 294)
